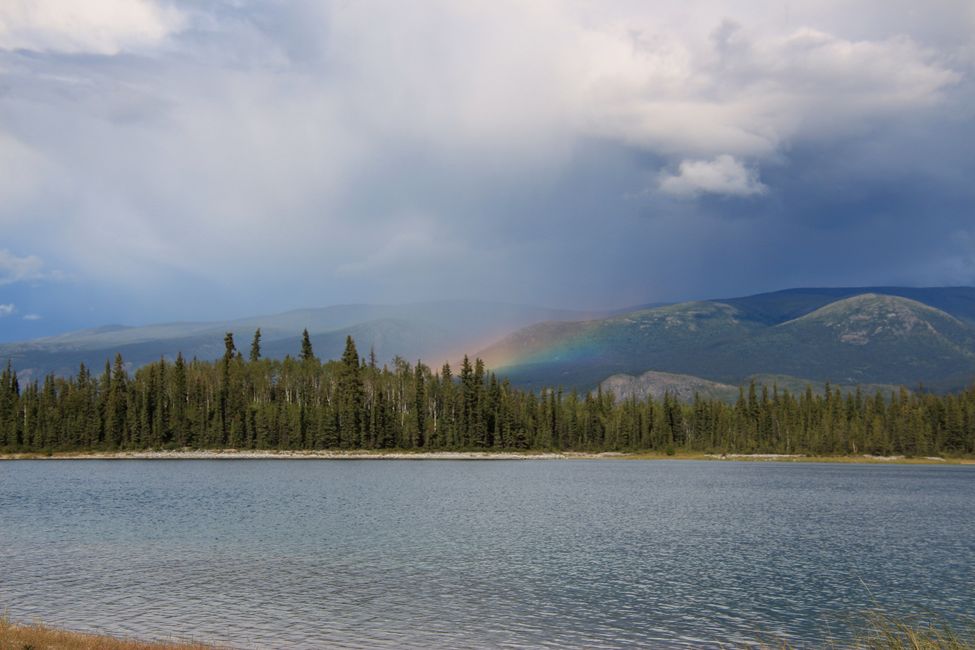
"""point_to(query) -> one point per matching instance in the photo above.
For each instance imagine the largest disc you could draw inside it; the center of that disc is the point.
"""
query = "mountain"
(685, 387)
(788, 304)
(672, 338)
(847, 336)
(432, 331)
(657, 384)
(869, 338)
(876, 336)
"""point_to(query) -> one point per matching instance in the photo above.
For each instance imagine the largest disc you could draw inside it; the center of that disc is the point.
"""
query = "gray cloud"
(16, 268)
(247, 156)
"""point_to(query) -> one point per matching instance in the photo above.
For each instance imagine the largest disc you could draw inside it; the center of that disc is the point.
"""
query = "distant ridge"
(687, 387)
(787, 304)
(886, 336)
(870, 335)
(657, 384)
(434, 331)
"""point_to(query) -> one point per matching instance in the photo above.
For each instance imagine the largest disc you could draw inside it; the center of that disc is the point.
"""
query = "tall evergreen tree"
(350, 397)
(117, 406)
(307, 354)
(420, 405)
(255, 354)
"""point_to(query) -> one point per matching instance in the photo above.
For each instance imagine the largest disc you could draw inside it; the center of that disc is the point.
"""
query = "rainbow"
(578, 347)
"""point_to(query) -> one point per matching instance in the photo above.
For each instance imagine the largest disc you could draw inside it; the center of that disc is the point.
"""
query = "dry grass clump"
(40, 637)
(886, 633)
(879, 631)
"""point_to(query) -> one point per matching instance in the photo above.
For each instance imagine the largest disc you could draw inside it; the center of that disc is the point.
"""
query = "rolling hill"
(847, 336)
(434, 331)
(878, 336)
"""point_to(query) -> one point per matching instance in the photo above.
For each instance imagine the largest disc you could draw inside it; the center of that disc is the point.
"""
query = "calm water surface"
(276, 553)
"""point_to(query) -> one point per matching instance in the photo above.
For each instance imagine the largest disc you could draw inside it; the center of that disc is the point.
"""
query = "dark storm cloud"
(180, 160)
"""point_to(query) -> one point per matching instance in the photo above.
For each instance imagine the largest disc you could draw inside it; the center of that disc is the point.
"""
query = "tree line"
(354, 403)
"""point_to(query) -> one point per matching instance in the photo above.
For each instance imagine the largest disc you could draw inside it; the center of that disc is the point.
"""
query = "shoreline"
(270, 454)
(878, 630)
(40, 635)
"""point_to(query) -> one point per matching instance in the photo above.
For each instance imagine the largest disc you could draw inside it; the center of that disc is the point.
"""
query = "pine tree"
(179, 398)
(256, 346)
(420, 405)
(117, 405)
(307, 354)
(350, 397)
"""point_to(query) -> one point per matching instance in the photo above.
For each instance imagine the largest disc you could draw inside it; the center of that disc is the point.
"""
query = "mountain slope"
(657, 384)
(866, 339)
(781, 306)
(881, 336)
(434, 331)
(669, 339)
(869, 338)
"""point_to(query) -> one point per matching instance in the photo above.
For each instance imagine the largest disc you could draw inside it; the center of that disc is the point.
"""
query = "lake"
(588, 553)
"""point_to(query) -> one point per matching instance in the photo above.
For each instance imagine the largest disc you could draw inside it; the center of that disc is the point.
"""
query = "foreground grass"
(886, 633)
(40, 637)
(880, 632)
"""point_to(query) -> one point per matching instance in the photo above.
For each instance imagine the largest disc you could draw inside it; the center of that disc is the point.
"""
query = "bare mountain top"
(657, 384)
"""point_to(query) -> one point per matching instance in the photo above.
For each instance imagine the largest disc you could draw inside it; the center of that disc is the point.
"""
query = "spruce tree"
(350, 397)
(180, 397)
(420, 405)
(307, 354)
(256, 346)
(117, 406)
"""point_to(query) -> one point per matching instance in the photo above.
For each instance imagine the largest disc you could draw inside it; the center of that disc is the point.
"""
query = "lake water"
(313, 553)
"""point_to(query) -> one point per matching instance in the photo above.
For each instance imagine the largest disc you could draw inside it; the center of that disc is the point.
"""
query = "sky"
(167, 160)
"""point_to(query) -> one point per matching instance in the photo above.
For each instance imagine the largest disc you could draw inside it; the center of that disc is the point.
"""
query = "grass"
(885, 633)
(41, 637)
(880, 632)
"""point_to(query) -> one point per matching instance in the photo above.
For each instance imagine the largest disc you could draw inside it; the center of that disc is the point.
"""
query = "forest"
(252, 402)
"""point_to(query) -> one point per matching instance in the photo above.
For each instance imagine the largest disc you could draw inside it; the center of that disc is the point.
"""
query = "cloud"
(32, 317)
(91, 26)
(7, 309)
(14, 268)
(21, 172)
(281, 151)
(722, 175)
(742, 91)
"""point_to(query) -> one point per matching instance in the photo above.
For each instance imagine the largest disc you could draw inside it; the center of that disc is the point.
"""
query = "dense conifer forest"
(353, 403)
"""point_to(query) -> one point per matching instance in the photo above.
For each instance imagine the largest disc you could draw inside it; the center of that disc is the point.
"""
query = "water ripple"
(261, 553)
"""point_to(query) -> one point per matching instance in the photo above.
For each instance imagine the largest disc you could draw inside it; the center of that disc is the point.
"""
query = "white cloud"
(32, 317)
(84, 26)
(21, 172)
(722, 175)
(7, 309)
(672, 78)
(750, 94)
(14, 268)
(298, 132)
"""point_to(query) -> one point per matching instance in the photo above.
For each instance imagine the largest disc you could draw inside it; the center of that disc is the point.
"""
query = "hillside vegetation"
(864, 339)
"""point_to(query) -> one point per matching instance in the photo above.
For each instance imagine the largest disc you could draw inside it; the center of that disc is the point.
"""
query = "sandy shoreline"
(244, 454)
(251, 454)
